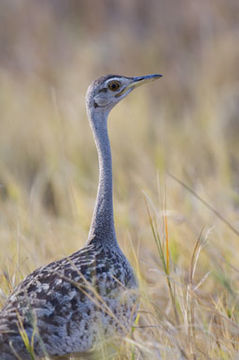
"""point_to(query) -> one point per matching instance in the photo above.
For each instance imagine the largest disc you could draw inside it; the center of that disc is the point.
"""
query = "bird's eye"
(114, 85)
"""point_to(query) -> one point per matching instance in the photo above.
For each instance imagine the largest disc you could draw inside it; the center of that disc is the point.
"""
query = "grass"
(180, 231)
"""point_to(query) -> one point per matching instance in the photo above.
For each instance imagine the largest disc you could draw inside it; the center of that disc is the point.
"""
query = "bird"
(66, 307)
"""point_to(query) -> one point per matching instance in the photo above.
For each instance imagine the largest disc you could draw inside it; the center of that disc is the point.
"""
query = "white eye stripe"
(113, 79)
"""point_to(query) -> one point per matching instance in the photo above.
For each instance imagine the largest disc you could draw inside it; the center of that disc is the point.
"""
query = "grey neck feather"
(102, 226)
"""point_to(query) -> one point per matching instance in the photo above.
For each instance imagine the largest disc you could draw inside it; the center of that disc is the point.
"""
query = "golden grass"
(185, 256)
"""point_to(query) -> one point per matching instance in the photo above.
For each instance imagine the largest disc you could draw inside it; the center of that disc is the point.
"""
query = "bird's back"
(67, 305)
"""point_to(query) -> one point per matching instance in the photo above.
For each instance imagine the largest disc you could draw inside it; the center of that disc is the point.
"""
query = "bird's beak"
(138, 81)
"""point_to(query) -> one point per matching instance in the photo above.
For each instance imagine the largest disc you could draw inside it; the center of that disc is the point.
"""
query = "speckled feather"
(67, 300)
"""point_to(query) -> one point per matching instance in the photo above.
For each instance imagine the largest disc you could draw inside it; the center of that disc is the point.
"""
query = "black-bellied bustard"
(65, 307)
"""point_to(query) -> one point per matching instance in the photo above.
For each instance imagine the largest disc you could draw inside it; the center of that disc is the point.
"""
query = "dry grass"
(185, 256)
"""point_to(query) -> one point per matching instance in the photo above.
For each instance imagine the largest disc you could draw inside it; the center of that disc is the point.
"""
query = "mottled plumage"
(60, 300)
(67, 306)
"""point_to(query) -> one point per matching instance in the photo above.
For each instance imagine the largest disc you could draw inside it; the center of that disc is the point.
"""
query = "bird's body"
(67, 306)
(60, 300)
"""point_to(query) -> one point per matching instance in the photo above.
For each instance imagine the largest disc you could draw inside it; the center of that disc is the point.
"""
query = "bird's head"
(104, 93)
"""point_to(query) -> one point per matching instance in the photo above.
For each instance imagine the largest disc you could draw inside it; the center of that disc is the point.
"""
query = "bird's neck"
(102, 228)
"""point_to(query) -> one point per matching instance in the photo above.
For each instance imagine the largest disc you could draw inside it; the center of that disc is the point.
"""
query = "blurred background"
(186, 124)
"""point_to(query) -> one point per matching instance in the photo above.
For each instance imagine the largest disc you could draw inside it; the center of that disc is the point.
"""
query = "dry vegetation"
(187, 124)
